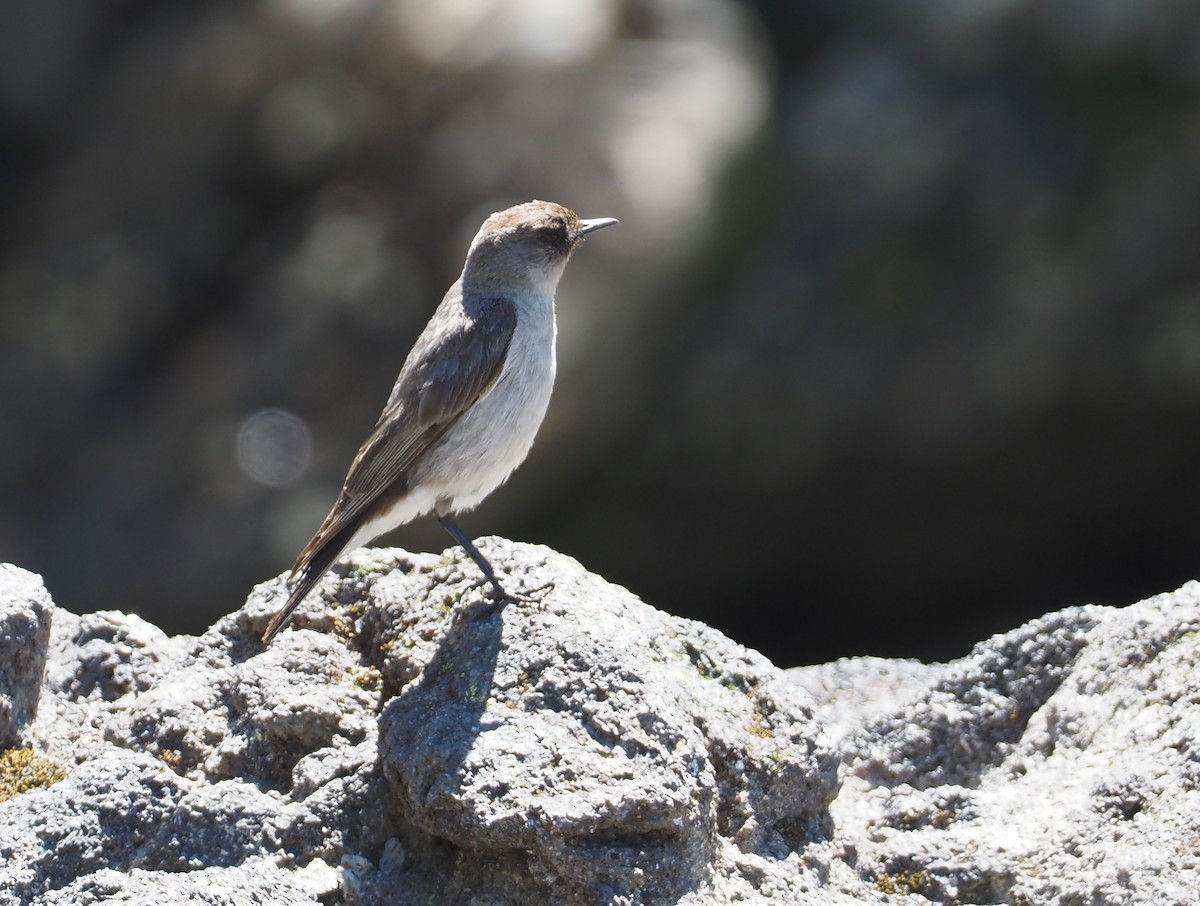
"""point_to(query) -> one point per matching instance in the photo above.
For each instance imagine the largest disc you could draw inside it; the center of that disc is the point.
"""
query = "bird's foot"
(500, 597)
(526, 595)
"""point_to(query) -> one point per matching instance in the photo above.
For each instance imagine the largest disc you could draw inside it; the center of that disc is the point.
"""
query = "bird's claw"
(500, 597)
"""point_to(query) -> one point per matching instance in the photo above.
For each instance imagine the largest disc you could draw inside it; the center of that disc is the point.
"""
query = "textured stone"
(405, 743)
(25, 613)
(1057, 763)
(596, 746)
(415, 746)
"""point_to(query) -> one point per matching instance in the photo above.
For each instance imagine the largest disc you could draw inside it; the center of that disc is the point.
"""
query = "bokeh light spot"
(274, 447)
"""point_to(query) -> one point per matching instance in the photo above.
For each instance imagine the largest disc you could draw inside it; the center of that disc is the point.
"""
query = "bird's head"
(527, 245)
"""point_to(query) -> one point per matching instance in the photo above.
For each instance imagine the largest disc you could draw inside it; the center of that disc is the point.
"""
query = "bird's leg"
(473, 552)
(499, 595)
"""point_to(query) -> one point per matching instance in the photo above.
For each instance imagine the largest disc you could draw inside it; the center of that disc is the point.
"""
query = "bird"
(469, 399)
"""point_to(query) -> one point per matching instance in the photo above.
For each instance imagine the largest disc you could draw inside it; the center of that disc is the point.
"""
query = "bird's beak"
(588, 226)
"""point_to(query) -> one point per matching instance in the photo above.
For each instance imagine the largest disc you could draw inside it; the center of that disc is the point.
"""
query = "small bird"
(469, 400)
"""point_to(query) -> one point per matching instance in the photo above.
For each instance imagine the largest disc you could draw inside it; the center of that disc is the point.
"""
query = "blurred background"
(897, 345)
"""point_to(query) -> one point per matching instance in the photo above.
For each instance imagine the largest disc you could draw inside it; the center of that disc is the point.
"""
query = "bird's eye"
(556, 231)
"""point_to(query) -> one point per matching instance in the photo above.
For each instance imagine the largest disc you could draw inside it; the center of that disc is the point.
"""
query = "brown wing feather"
(440, 381)
(455, 361)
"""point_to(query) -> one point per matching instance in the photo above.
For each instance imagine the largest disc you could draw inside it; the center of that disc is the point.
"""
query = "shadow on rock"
(592, 749)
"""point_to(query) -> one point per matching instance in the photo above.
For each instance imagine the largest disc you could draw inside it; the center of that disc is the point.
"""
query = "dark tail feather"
(312, 566)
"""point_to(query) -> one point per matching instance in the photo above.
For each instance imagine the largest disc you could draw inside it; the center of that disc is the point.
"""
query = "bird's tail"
(314, 562)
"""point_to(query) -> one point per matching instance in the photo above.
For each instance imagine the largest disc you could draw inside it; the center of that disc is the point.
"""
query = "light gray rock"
(256, 883)
(579, 747)
(588, 745)
(403, 744)
(850, 691)
(25, 612)
(1056, 764)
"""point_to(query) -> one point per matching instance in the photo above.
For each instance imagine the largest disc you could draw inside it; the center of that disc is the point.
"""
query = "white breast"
(495, 436)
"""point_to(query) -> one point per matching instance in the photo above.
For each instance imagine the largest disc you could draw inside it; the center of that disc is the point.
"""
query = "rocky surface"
(404, 743)
(25, 609)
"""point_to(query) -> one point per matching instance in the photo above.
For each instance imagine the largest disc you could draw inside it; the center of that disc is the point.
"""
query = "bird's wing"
(455, 361)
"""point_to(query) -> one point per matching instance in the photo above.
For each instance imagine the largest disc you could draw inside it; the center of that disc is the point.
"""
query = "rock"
(25, 612)
(580, 747)
(403, 742)
(1058, 763)
(592, 746)
(251, 884)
